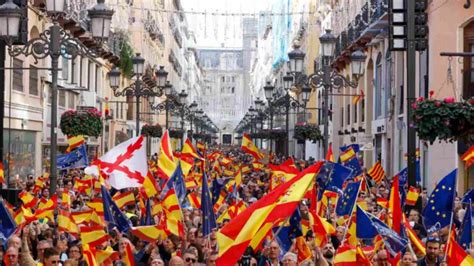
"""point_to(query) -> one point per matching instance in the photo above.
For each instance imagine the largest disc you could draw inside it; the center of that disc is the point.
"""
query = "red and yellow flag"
(359, 97)
(129, 259)
(376, 172)
(166, 163)
(93, 235)
(457, 255)
(249, 147)
(395, 207)
(412, 196)
(66, 224)
(468, 157)
(74, 142)
(150, 187)
(189, 150)
(150, 233)
(2, 174)
(235, 236)
(330, 155)
(124, 199)
(29, 201)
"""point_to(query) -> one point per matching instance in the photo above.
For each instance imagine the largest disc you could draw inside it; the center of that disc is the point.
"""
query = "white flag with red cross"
(125, 165)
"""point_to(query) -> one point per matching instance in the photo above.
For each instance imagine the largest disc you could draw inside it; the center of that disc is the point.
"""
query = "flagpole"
(451, 222)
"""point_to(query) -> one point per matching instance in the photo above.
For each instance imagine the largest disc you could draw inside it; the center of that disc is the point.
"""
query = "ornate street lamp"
(296, 57)
(358, 63)
(268, 89)
(54, 42)
(138, 64)
(114, 78)
(161, 75)
(328, 44)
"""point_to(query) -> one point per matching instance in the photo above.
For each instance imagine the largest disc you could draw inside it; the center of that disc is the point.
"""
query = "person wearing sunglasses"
(51, 257)
(433, 248)
(190, 257)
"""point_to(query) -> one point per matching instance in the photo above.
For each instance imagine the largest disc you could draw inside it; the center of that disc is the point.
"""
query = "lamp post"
(268, 89)
(325, 78)
(192, 112)
(138, 89)
(54, 42)
(182, 110)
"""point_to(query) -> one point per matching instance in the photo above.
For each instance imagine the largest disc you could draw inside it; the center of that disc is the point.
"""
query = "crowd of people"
(42, 242)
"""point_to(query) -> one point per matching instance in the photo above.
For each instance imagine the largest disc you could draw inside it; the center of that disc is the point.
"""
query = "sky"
(215, 30)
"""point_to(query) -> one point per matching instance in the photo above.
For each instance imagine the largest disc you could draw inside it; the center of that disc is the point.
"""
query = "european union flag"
(354, 165)
(468, 197)
(176, 181)
(403, 175)
(286, 234)
(217, 185)
(465, 239)
(208, 217)
(112, 213)
(439, 209)
(393, 242)
(77, 158)
(345, 203)
(331, 177)
(147, 218)
(7, 224)
(364, 227)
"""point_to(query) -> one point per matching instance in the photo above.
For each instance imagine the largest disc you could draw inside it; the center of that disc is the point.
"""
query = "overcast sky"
(213, 30)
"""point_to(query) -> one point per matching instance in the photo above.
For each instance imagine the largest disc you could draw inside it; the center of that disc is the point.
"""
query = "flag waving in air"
(249, 147)
(125, 164)
(166, 163)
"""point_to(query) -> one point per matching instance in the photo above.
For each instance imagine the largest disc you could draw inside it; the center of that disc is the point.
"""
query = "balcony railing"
(367, 23)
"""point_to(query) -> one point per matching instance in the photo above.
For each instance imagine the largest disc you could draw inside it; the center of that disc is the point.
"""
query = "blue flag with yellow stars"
(354, 165)
(393, 242)
(286, 233)
(7, 224)
(208, 217)
(331, 177)
(364, 227)
(77, 158)
(439, 209)
(176, 181)
(112, 213)
(345, 203)
(468, 197)
(465, 239)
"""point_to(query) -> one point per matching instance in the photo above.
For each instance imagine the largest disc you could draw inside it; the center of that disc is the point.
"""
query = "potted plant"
(88, 123)
(176, 133)
(154, 131)
(445, 120)
(305, 132)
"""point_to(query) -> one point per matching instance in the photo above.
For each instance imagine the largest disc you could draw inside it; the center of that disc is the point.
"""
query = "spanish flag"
(93, 235)
(347, 155)
(417, 244)
(95, 257)
(376, 172)
(321, 228)
(468, 157)
(249, 147)
(97, 205)
(194, 200)
(29, 201)
(346, 256)
(74, 142)
(150, 187)
(129, 258)
(395, 207)
(149, 233)
(66, 224)
(457, 255)
(81, 217)
(2, 174)
(280, 203)
(188, 150)
(166, 162)
(412, 196)
(330, 155)
(357, 98)
(124, 199)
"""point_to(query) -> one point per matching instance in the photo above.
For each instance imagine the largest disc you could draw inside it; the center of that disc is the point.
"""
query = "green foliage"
(445, 120)
(154, 131)
(307, 132)
(176, 133)
(126, 55)
(88, 123)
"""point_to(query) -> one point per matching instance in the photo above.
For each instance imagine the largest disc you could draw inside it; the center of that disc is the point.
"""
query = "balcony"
(369, 22)
(151, 27)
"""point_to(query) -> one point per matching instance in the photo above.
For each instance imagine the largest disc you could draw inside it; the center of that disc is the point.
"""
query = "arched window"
(378, 102)
(468, 84)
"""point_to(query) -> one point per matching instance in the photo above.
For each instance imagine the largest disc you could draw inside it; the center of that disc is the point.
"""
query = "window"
(71, 100)
(468, 76)
(362, 111)
(17, 75)
(378, 88)
(33, 88)
(342, 116)
(233, 79)
(356, 107)
(65, 69)
(233, 89)
(348, 114)
(62, 98)
(223, 79)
